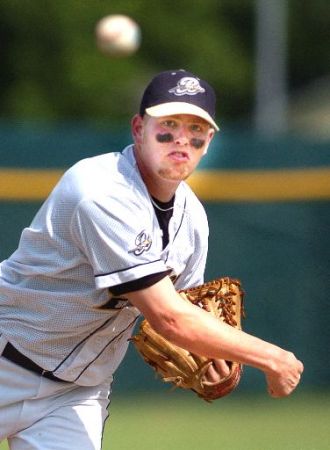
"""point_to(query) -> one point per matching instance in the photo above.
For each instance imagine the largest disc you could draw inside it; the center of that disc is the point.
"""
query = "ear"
(209, 139)
(137, 128)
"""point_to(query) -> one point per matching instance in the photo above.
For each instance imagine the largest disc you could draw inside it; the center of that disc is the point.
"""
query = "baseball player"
(118, 235)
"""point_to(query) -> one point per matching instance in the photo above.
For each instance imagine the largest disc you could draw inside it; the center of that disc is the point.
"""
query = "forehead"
(185, 118)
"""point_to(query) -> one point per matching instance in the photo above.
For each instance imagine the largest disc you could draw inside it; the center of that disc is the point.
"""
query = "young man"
(119, 234)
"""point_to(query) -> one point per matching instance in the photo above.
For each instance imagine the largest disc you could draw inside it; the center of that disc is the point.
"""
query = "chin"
(175, 174)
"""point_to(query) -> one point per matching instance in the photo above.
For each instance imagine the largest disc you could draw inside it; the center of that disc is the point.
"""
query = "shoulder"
(194, 210)
(107, 182)
(93, 170)
(109, 174)
(193, 206)
(111, 183)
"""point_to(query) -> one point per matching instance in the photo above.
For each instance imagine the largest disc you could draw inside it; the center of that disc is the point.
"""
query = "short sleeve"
(118, 241)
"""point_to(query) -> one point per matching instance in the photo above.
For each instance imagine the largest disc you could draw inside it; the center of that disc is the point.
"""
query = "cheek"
(197, 143)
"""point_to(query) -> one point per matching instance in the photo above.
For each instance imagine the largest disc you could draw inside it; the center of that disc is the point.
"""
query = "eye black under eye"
(197, 143)
(165, 137)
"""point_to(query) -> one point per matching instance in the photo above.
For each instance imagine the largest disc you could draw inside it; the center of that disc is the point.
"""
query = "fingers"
(218, 370)
(281, 391)
(284, 384)
(222, 367)
(212, 376)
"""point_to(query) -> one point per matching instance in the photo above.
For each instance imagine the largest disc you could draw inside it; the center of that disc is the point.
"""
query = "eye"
(198, 128)
(169, 123)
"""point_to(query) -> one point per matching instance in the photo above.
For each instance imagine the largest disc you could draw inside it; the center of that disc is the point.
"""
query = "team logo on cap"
(143, 243)
(187, 86)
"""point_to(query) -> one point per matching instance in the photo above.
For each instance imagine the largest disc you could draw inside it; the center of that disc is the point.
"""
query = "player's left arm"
(194, 329)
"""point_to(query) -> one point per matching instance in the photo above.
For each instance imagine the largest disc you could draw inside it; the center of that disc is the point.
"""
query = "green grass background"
(179, 420)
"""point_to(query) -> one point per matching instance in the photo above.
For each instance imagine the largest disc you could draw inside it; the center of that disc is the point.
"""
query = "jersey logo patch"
(187, 86)
(143, 243)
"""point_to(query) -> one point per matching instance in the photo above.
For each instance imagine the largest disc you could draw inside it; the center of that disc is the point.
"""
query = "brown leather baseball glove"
(223, 298)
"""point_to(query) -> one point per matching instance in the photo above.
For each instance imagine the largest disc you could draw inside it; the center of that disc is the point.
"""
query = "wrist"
(275, 360)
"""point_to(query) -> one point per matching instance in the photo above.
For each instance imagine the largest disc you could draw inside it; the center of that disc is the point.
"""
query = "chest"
(175, 239)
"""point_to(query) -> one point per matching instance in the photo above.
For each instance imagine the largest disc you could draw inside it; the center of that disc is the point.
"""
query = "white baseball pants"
(41, 414)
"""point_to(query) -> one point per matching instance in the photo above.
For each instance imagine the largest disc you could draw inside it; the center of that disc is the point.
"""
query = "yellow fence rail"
(209, 185)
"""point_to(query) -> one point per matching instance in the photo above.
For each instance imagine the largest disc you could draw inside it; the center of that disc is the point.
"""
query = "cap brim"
(171, 108)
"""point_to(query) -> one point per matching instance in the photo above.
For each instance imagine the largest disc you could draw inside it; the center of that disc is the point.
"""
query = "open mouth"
(179, 156)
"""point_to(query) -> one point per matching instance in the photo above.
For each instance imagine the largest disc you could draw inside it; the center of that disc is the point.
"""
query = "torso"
(85, 239)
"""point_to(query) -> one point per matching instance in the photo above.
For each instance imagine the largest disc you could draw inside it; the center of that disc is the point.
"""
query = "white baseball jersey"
(97, 229)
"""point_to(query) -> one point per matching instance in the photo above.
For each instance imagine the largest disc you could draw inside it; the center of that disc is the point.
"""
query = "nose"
(181, 137)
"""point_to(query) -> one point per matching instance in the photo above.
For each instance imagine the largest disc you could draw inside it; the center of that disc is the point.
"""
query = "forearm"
(200, 333)
(197, 331)
(217, 340)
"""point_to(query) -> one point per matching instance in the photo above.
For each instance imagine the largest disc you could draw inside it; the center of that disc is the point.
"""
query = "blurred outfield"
(181, 421)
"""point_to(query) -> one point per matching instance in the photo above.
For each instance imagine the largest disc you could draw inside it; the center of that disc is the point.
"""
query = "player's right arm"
(197, 331)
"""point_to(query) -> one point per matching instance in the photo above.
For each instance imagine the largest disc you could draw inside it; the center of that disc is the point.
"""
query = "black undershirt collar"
(164, 217)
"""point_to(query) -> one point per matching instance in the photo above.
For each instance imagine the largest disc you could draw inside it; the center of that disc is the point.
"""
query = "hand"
(217, 370)
(286, 377)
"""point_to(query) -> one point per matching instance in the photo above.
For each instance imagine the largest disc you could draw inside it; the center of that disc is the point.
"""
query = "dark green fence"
(280, 250)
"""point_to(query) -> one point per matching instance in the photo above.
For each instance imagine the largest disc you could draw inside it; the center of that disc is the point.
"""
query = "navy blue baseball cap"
(179, 92)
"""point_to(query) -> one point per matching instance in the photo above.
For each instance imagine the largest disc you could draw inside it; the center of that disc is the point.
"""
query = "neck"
(158, 187)
(161, 191)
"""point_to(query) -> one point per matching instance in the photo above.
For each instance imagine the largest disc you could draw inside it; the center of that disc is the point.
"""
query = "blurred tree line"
(51, 69)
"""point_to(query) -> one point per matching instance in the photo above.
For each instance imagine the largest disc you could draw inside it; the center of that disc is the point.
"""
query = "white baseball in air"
(118, 35)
